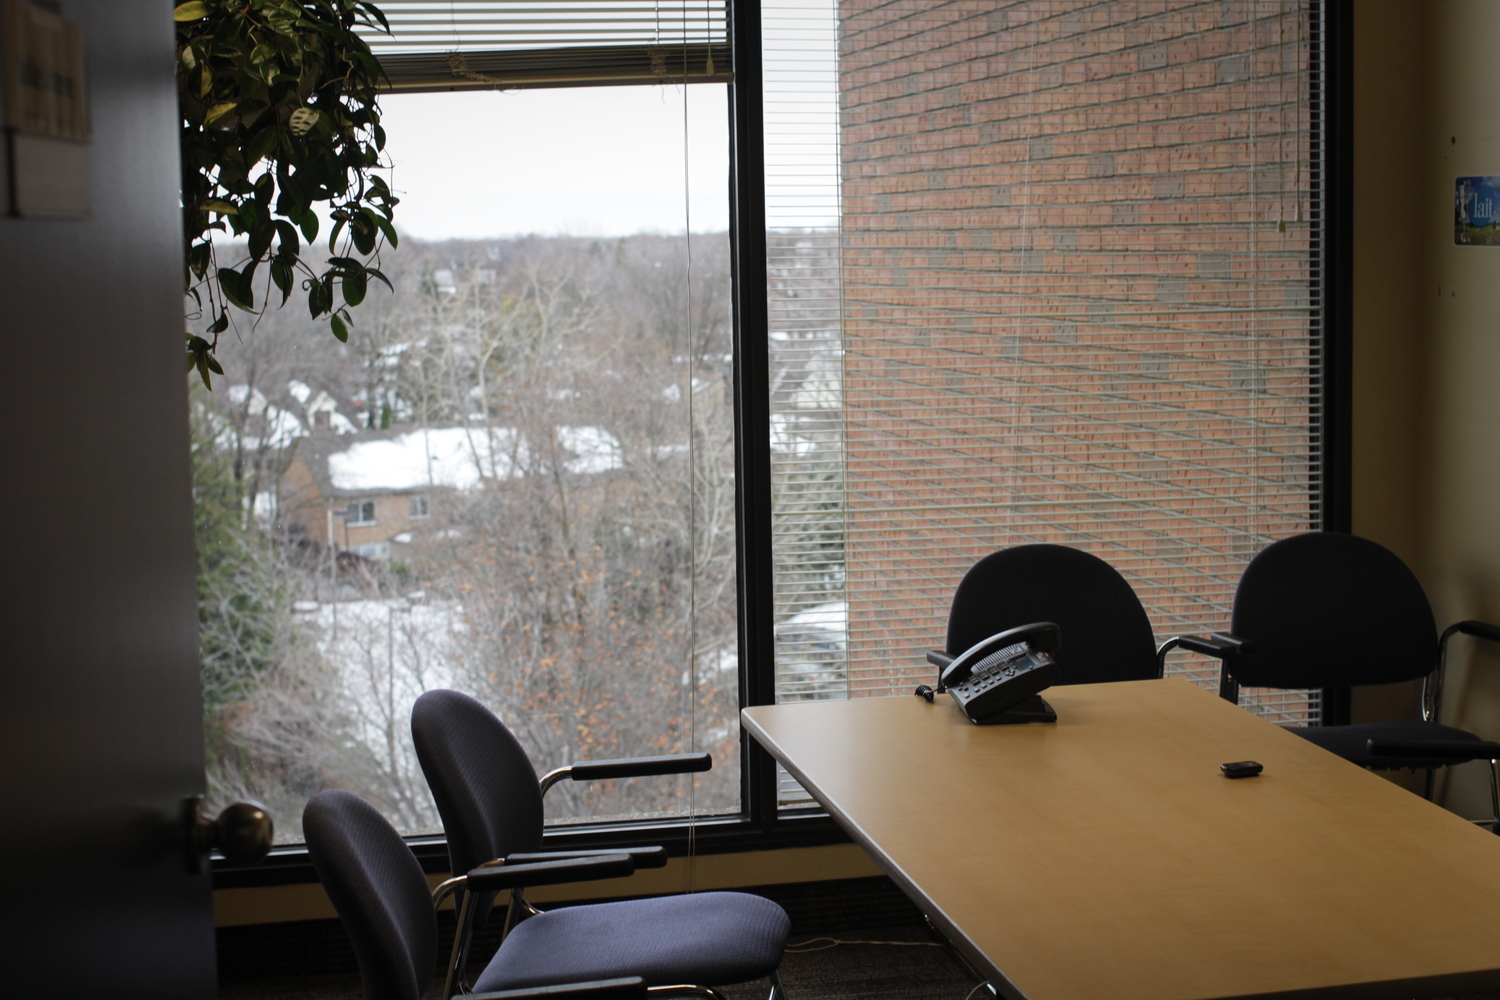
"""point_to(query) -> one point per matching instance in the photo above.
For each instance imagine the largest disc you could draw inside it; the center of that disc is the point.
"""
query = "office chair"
(1106, 635)
(1329, 610)
(377, 886)
(490, 802)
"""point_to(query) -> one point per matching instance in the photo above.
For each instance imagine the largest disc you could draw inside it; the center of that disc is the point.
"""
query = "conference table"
(1106, 857)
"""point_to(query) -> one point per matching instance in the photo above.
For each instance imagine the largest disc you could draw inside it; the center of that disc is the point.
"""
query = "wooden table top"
(1106, 858)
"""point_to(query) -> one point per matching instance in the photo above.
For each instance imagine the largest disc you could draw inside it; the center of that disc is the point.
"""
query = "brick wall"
(1078, 299)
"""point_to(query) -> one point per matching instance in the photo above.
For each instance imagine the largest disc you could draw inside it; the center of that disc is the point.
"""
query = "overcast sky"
(595, 161)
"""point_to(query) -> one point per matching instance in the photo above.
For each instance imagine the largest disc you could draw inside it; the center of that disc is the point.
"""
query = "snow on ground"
(387, 652)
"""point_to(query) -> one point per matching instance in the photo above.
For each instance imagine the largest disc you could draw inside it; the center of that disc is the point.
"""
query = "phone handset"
(996, 680)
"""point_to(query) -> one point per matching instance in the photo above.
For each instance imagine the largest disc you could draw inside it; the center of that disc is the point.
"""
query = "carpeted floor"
(922, 970)
(868, 910)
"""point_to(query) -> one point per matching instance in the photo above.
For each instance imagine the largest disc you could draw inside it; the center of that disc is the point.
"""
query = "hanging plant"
(278, 115)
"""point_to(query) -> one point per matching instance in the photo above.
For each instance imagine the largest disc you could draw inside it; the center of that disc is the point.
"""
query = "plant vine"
(279, 114)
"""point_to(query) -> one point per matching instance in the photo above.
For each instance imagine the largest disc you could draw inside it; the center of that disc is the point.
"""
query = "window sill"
(290, 865)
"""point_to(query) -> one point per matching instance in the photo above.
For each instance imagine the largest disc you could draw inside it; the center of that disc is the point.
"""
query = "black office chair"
(491, 805)
(1106, 635)
(381, 895)
(1330, 610)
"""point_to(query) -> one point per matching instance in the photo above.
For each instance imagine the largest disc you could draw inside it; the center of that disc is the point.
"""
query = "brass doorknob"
(242, 832)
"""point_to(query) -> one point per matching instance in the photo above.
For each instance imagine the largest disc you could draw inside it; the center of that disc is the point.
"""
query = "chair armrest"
(549, 872)
(939, 658)
(1480, 630)
(644, 857)
(1454, 750)
(628, 767)
(640, 767)
(1220, 645)
(630, 988)
(1432, 687)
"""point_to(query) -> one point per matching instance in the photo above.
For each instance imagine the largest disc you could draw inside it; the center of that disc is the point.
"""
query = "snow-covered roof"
(460, 457)
(281, 426)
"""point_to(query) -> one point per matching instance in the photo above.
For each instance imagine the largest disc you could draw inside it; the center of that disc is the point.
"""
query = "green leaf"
(219, 205)
(237, 288)
(197, 258)
(364, 232)
(281, 274)
(318, 300)
(355, 284)
(260, 239)
(374, 12)
(288, 234)
(372, 272)
(308, 224)
(302, 120)
(339, 329)
(383, 224)
(219, 111)
(194, 11)
(221, 324)
(333, 237)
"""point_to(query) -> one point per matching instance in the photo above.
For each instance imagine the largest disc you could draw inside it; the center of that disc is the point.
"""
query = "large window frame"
(760, 825)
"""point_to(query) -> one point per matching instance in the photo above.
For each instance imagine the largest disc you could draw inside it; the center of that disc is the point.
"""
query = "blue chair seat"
(710, 938)
(1349, 741)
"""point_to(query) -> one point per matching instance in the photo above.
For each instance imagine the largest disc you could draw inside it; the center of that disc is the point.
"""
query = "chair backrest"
(1329, 610)
(377, 886)
(484, 785)
(1106, 635)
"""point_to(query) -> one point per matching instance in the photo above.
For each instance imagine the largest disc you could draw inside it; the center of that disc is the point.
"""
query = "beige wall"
(1387, 295)
(1460, 534)
(1427, 355)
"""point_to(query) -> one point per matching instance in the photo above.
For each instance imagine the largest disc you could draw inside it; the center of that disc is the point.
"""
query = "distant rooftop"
(459, 457)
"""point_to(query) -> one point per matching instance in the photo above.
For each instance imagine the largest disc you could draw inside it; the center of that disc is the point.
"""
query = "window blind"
(800, 80)
(507, 44)
(1079, 284)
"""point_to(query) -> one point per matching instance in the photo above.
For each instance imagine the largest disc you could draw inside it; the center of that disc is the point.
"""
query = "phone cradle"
(1033, 709)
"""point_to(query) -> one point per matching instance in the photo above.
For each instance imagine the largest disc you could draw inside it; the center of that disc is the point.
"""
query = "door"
(100, 716)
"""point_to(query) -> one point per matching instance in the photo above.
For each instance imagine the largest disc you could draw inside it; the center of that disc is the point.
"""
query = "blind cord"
(687, 236)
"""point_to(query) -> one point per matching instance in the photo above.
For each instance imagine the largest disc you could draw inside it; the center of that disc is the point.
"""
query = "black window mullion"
(752, 396)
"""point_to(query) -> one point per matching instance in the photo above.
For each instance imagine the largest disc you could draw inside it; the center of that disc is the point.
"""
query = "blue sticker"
(1476, 211)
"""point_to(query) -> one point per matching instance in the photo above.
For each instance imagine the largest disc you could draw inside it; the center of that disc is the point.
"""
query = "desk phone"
(996, 681)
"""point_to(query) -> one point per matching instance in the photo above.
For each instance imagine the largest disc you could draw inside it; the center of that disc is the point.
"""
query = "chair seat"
(1349, 741)
(707, 939)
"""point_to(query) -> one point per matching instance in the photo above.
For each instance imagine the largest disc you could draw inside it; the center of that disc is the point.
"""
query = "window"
(360, 512)
(1042, 272)
(1047, 271)
(547, 391)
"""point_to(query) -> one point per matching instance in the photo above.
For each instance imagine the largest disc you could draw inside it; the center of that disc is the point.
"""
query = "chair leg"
(1495, 796)
(702, 991)
(1431, 784)
(778, 988)
(456, 961)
